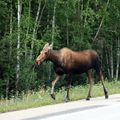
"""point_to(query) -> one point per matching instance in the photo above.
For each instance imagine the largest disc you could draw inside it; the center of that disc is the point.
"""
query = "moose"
(68, 62)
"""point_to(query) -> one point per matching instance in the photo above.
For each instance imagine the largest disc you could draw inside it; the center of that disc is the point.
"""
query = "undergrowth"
(33, 99)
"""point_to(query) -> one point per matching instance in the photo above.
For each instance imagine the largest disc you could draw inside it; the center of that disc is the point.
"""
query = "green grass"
(35, 99)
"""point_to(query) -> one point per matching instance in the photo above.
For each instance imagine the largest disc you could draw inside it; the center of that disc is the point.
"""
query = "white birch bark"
(18, 45)
(107, 61)
(34, 29)
(111, 62)
(53, 34)
(40, 17)
(53, 21)
(118, 59)
(101, 23)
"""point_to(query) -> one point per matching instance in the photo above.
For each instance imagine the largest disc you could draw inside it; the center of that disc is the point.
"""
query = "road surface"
(95, 109)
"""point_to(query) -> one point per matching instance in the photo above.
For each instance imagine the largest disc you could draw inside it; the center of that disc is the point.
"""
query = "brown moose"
(71, 62)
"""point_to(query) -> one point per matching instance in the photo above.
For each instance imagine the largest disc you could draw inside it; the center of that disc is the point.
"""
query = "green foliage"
(75, 26)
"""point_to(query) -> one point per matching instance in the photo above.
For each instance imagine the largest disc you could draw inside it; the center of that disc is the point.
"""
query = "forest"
(26, 25)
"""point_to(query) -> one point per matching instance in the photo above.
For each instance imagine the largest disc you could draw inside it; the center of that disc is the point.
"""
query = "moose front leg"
(90, 80)
(53, 86)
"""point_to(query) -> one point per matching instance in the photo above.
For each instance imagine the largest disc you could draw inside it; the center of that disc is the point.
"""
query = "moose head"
(44, 53)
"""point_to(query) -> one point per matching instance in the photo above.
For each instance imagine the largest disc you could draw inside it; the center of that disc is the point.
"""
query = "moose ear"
(46, 45)
(51, 45)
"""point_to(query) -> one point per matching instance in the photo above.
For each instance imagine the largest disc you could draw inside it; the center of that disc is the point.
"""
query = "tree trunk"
(18, 45)
(53, 21)
(41, 13)
(10, 49)
(107, 61)
(53, 35)
(28, 27)
(101, 23)
(111, 62)
(81, 21)
(67, 28)
(11, 29)
(118, 59)
(34, 29)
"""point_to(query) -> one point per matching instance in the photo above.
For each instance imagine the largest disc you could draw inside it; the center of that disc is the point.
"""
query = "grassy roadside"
(35, 99)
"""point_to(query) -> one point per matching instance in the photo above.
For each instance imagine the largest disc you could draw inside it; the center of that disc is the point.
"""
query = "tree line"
(26, 25)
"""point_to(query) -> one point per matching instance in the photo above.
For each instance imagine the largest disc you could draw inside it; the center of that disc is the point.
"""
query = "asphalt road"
(95, 109)
(101, 113)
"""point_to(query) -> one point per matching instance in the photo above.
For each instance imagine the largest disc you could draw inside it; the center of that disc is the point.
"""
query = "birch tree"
(118, 60)
(102, 20)
(53, 21)
(107, 61)
(81, 20)
(53, 33)
(34, 28)
(10, 48)
(18, 44)
(111, 61)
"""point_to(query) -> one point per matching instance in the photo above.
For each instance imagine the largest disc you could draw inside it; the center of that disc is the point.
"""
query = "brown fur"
(71, 62)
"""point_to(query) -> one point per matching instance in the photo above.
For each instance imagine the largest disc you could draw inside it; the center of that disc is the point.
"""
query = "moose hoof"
(66, 100)
(106, 97)
(87, 99)
(53, 96)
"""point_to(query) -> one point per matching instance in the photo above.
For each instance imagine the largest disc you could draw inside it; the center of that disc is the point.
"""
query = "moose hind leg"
(102, 81)
(104, 88)
(68, 85)
(90, 80)
(53, 86)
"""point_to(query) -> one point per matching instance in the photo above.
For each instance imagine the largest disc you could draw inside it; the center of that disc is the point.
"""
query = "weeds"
(33, 99)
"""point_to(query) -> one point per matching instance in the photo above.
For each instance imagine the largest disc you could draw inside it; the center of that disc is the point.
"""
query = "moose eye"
(45, 52)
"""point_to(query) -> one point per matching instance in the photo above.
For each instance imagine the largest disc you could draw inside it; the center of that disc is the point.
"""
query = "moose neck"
(54, 56)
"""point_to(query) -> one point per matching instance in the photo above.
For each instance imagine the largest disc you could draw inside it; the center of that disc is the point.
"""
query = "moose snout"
(37, 62)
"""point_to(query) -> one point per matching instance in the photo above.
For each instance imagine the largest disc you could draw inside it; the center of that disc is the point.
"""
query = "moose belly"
(59, 71)
(75, 70)
(80, 69)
